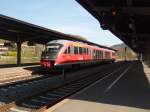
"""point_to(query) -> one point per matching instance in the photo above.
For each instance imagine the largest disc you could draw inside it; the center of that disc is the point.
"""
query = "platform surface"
(131, 93)
(15, 72)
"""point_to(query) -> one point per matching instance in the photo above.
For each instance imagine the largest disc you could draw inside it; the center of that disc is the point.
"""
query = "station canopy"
(129, 20)
(16, 30)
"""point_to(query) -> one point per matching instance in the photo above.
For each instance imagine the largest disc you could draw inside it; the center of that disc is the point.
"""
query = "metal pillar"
(140, 57)
(125, 50)
(18, 49)
(144, 58)
(148, 60)
(18, 53)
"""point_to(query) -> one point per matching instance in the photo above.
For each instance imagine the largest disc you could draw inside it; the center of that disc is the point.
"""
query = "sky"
(66, 16)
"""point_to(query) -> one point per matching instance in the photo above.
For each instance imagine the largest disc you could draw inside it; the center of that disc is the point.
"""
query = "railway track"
(36, 76)
(19, 80)
(42, 101)
(20, 89)
(17, 90)
(4, 83)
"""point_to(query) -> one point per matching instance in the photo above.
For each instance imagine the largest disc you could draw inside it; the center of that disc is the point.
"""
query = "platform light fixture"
(14, 31)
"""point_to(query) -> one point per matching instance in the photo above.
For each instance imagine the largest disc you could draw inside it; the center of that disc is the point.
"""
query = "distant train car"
(65, 53)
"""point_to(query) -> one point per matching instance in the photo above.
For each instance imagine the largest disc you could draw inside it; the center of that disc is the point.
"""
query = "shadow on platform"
(132, 90)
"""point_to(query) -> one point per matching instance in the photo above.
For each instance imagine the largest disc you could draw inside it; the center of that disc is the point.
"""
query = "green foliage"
(29, 54)
(12, 53)
(129, 54)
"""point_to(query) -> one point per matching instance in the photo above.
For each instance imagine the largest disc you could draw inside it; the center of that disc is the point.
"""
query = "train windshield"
(53, 47)
(51, 51)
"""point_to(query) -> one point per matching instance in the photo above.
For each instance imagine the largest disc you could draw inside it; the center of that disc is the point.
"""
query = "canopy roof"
(16, 30)
(129, 20)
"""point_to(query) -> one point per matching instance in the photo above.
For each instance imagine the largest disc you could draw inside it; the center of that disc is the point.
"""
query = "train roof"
(59, 41)
(88, 43)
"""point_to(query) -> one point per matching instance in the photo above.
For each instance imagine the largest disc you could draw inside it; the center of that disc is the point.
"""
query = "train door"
(101, 55)
(104, 57)
(67, 54)
(81, 57)
(91, 54)
(71, 52)
(84, 53)
(76, 52)
(94, 54)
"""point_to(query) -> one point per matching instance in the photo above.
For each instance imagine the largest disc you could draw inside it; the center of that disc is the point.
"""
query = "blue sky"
(66, 16)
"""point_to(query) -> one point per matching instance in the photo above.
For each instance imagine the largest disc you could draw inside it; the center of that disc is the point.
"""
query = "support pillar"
(125, 50)
(148, 60)
(144, 59)
(141, 57)
(18, 53)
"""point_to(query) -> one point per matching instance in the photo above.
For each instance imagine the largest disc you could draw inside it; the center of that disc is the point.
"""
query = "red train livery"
(62, 53)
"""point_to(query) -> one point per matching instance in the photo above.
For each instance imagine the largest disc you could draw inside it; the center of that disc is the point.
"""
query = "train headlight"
(46, 57)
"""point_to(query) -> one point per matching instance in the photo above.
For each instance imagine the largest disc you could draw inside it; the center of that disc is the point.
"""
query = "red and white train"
(62, 53)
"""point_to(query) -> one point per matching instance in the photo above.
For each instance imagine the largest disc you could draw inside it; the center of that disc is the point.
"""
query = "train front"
(49, 55)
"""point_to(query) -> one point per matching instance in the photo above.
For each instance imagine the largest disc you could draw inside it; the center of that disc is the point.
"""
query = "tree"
(78, 37)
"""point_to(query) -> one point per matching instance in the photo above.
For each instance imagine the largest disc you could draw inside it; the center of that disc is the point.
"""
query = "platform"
(17, 72)
(131, 93)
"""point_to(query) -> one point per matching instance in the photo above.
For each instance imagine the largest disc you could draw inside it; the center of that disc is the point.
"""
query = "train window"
(101, 54)
(80, 50)
(53, 47)
(75, 50)
(91, 52)
(68, 50)
(84, 50)
(71, 50)
(96, 54)
(65, 51)
(87, 51)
